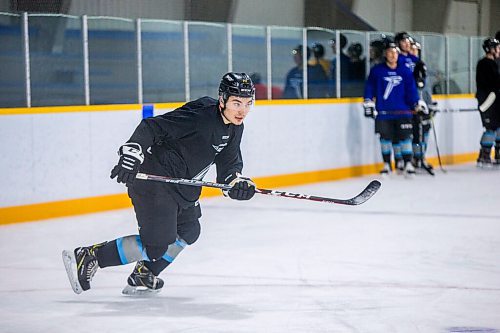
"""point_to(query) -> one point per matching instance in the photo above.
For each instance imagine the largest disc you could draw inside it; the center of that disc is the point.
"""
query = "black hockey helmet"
(389, 43)
(318, 50)
(355, 50)
(377, 44)
(236, 84)
(298, 50)
(401, 36)
(343, 41)
(490, 43)
(415, 44)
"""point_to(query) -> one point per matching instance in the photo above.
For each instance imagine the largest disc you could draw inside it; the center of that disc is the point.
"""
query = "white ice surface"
(422, 255)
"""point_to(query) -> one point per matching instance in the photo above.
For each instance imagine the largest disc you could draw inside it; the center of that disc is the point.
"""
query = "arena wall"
(56, 160)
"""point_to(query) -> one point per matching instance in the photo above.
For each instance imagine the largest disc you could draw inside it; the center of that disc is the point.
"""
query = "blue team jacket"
(394, 90)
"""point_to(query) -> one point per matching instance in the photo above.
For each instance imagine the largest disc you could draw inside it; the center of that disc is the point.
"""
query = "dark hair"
(318, 50)
(343, 41)
(298, 49)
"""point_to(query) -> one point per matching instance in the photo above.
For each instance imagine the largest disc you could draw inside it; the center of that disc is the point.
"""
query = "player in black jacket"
(421, 120)
(183, 143)
(488, 90)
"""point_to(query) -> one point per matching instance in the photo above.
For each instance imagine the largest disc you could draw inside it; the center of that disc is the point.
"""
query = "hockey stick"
(437, 146)
(362, 197)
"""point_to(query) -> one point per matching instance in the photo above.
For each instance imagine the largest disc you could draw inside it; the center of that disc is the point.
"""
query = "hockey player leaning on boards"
(488, 89)
(183, 143)
(422, 121)
(396, 97)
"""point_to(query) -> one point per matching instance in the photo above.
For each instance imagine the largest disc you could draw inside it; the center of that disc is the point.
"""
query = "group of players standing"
(395, 97)
(403, 109)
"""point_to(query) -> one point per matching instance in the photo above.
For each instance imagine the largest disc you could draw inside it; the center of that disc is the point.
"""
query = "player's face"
(391, 56)
(496, 53)
(237, 109)
(405, 45)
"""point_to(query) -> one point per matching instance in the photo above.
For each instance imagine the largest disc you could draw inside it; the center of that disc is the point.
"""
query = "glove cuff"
(132, 149)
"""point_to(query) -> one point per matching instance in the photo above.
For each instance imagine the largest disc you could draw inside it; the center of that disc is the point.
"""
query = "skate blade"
(139, 292)
(70, 265)
(409, 175)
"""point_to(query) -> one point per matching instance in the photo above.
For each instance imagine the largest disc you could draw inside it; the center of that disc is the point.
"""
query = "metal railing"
(48, 60)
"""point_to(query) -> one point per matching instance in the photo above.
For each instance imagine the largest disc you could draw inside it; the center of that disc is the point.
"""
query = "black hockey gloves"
(243, 188)
(131, 157)
(369, 107)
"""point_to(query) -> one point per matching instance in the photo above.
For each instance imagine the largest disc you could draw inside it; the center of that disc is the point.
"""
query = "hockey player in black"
(183, 143)
(488, 89)
(421, 120)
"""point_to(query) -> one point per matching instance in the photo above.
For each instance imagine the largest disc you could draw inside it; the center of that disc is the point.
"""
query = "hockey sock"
(425, 143)
(406, 150)
(385, 147)
(129, 249)
(488, 139)
(418, 150)
(397, 150)
(108, 255)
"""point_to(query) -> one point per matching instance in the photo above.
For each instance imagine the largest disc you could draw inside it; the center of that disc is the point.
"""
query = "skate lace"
(91, 270)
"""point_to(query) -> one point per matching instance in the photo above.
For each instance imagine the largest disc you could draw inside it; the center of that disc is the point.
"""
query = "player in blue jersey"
(391, 97)
(403, 42)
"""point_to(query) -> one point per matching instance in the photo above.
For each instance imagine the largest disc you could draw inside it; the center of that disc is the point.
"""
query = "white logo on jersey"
(225, 137)
(219, 148)
(393, 81)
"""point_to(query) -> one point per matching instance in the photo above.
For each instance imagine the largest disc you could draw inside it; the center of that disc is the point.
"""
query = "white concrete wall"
(55, 156)
(269, 12)
(170, 10)
(385, 15)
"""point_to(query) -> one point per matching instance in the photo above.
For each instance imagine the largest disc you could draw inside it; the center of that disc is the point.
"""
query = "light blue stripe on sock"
(141, 250)
(181, 243)
(168, 258)
(121, 253)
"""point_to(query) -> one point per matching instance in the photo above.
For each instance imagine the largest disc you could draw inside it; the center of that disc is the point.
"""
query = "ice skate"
(386, 170)
(424, 165)
(409, 170)
(142, 282)
(484, 159)
(81, 266)
(400, 165)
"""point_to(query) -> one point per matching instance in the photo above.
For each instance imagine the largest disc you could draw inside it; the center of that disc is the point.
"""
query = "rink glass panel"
(477, 54)
(163, 76)
(249, 53)
(12, 69)
(283, 41)
(353, 77)
(434, 53)
(323, 37)
(207, 58)
(56, 58)
(458, 64)
(112, 61)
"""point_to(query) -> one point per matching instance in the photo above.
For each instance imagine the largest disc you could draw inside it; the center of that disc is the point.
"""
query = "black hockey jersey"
(184, 143)
(487, 76)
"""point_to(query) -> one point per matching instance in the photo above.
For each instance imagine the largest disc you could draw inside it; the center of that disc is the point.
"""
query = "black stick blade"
(366, 194)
